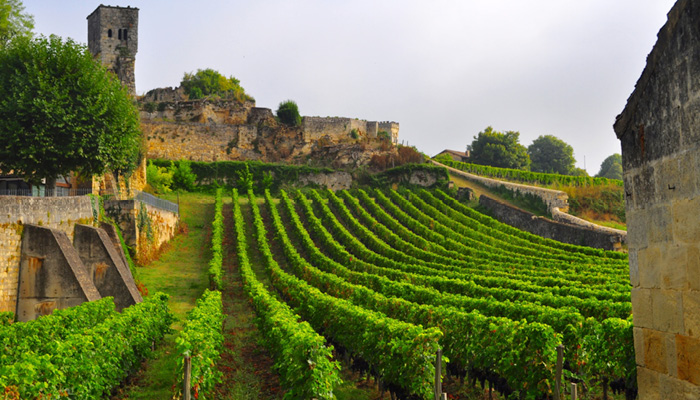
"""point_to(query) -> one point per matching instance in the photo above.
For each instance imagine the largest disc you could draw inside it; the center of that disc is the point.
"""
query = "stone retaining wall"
(547, 228)
(60, 213)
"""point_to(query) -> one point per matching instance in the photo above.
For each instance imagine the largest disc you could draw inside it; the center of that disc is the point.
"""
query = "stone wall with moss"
(145, 228)
(60, 213)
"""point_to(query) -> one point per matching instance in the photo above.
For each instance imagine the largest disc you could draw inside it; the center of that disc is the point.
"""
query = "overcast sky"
(444, 70)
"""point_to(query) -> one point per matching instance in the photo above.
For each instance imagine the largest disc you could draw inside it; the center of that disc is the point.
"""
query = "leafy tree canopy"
(499, 149)
(288, 113)
(552, 155)
(60, 111)
(208, 82)
(14, 22)
(611, 167)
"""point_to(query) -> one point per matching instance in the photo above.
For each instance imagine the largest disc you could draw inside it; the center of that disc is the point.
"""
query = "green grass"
(181, 272)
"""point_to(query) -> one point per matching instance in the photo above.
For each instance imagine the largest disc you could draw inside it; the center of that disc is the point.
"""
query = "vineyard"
(388, 278)
(376, 281)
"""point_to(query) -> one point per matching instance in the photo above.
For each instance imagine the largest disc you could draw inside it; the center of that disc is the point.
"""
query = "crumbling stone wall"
(60, 213)
(659, 130)
(220, 129)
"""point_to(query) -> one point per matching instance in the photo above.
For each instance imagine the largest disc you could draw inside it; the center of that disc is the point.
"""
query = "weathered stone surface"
(649, 386)
(51, 276)
(108, 271)
(334, 180)
(691, 316)
(674, 275)
(688, 359)
(655, 350)
(649, 265)
(667, 308)
(639, 345)
(641, 301)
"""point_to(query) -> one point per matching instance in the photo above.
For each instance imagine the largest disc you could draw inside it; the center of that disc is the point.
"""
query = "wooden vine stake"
(574, 391)
(438, 375)
(186, 381)
(557, 378)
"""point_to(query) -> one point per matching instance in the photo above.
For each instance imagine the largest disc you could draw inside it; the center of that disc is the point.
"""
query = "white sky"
(444, 69)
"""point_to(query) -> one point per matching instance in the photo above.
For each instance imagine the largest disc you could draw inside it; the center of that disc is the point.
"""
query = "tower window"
(120, 34)
(109, 33)
(125, 37)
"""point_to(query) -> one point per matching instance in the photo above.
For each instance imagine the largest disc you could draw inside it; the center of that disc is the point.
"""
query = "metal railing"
(156, 202)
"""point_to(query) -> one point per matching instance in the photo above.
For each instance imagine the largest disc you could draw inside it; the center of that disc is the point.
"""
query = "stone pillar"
(658, 131)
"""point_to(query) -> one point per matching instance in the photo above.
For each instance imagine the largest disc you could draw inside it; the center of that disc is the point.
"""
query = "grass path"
(181, 272)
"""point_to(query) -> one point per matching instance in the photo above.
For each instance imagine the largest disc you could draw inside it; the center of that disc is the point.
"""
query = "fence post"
(557, 378)
(186, 380)
(574, 391)
(438, 375)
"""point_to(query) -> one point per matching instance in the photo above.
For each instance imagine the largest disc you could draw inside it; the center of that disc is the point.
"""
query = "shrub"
(209, 82)
(383, 135)
(159, 178)
(288, 113)
(183, 177)
(354, 134)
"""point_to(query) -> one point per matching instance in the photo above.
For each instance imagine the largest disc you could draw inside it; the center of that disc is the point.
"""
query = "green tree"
(499, 149)
(208, 82)
(551, 154)
(60, 111)
(611, 167)
(288, 113)
(14, 22)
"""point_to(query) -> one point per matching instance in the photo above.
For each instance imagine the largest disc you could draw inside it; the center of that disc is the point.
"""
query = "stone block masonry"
(658, 130)
(52, 275)
(61, 213)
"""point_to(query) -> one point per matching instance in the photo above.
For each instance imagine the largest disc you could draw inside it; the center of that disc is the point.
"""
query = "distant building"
(455, 155)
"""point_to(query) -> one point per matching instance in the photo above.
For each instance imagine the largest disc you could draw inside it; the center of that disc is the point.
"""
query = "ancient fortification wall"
(215, 130)
(60, 213)
(659, 132)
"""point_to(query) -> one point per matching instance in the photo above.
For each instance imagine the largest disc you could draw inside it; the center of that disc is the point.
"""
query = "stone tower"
(113, 39)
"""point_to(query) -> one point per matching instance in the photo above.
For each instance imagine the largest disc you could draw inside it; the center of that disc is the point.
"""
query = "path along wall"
(60, 213)
(552, 198)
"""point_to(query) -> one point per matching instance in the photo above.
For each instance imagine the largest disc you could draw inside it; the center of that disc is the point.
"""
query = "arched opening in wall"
(125, 37)
(109, 33)
(120, 34)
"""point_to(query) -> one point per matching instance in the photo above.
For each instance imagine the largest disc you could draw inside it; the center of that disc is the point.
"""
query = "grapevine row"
(217, 236)
(517, 279)
(539, 178)
(476, 286)
(302, 359)
(83, 352)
